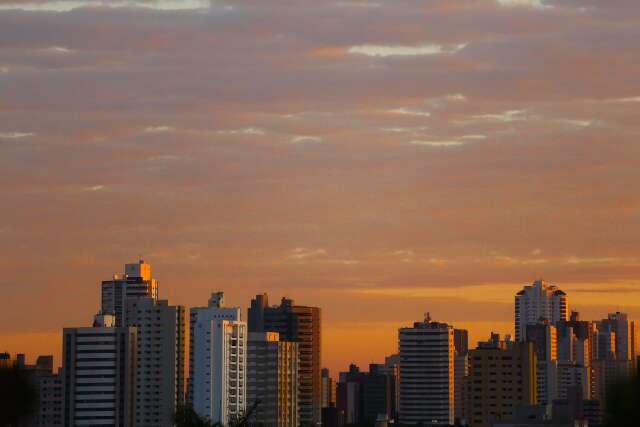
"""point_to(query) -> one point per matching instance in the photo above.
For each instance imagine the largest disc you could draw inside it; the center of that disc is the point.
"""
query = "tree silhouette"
(18, 396)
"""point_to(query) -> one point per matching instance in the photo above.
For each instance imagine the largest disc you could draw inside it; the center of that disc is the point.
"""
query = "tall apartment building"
(461, 371)
(135, 282)
(377, 393)
(50, 405)
(301, 324)
(540, 300)
(159, 383)
(272, 380)
(328, 389)
(98, 367)
(626, 335)
(502, 376)
(217, 361)
(426, 373)
(543, 335)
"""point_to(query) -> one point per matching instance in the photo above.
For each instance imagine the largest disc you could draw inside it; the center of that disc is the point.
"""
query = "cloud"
(159, 129)
(15, 135)
(59, 50)
(69, 5)
(400, 50)
(575, 123)
(4, 70)
(303, 253)
(306, 139)
(504, 117)
(244, 131)
(537, 4)
(409, 112)
(440, 143)
(94, 188)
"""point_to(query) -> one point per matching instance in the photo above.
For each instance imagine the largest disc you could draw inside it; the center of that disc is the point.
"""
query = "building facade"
(160, 382)
(135, 282)
(301, 324)
(217, 361)
(541, 300)
(502, 377)
(426, 373)
(272, 380)
(98, 367)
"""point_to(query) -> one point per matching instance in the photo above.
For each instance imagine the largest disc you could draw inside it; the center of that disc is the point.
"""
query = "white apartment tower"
(426, 373)
(135, 282)
(159, 383)
(541, 300)
(217, 361)
(98, 371)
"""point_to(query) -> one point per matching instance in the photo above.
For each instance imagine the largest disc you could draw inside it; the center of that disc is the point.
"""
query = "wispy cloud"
(15, 135)
(69, 5)
(405, 50)
(159, 129)
(306, 139)
(244, 131)
(60, 50)
(504, 117)
(304, 253)
(537, 4)
(94, 188)
(409, 112)
(438, 143)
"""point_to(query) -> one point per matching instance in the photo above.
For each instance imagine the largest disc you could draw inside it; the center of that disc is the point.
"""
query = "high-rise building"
(426, 373)
(392, 365)
(626, 335)
(541, 300)
(272, 380)
(301, 324)
(328, 389)
(545, 343)
(377, 393)
(135, 282)
(217, 361)
(349, 394)
(160, 359)
(502, 376)
(461, 371)
(50, 406)
(98, 369)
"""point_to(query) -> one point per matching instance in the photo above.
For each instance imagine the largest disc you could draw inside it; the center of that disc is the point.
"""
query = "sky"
(379, 159)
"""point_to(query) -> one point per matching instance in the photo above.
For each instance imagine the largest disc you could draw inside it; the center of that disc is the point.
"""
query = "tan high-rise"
(502, 375)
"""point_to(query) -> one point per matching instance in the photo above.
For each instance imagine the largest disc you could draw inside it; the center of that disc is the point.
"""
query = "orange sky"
(378, 159)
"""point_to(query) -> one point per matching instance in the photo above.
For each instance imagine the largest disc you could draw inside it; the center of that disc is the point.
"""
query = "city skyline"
(378, 159)
(335, 365)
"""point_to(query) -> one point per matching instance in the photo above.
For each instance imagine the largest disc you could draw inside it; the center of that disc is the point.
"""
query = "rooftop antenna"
(140, 258)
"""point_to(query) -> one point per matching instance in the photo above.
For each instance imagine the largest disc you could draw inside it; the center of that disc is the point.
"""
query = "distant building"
(272, 380)
(461, 372)
(349, 394)
(328, 389)
(540, 300)
(377, 394)
(626, 335)
(160, 379)
(50, 402)
(217, 361)
(543, 335)
(502, 376)
(301, 324)
(98, 367)
(136, 282)
(426, 373)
